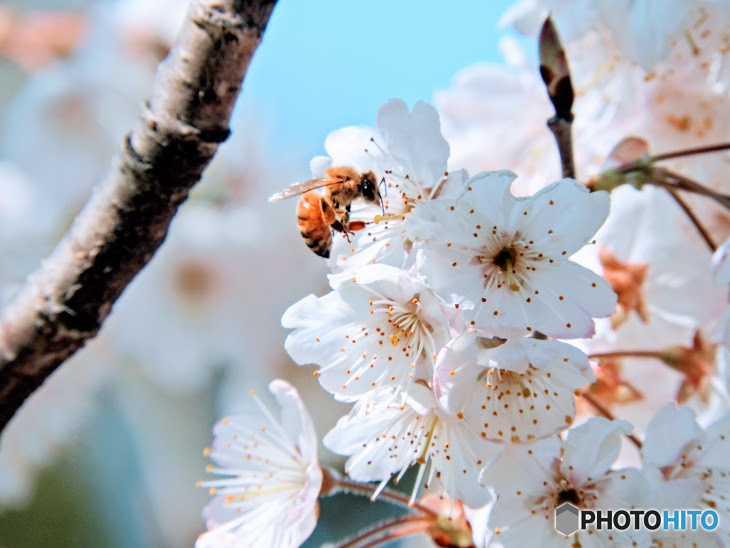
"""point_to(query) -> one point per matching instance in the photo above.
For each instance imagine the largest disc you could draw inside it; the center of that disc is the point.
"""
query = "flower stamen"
(382, 218)
(505, 260)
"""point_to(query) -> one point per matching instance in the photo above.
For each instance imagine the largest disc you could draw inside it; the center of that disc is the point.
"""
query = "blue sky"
(325, 64)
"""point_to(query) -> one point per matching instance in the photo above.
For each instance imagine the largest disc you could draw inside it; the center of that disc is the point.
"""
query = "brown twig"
(563, 132)
(386, 494)
(605, 413)
(694, 220)
(656, 354)
(65, 302)
(631, 166)
(409, 525)
(681, 182)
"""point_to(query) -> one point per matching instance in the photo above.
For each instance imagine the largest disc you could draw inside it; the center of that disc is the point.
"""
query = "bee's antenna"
(380, 195)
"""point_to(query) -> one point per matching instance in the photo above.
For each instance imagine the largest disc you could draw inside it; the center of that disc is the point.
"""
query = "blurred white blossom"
(688, 468)
(270, 495)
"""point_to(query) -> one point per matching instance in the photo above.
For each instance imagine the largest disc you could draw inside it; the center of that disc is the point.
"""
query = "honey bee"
(321, 213)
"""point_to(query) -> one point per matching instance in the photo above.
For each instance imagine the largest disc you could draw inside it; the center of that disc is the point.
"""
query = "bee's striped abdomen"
(315, 232)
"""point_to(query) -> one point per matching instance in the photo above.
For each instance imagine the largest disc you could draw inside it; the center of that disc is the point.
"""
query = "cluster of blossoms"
(443, 325)
(464, 322)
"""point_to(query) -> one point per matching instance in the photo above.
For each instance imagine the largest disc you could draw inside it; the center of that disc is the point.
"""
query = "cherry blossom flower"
(78, 112)
(485, 100)
(688, 468)
(385, 435)
(23, 233)
(408, 153)
(627, 281)
(533, 480)
(193, 285)
(508, 258)
(379, 327)
(612, 386)
(37, 39)
(149, 27)
(511, 391)
(640, 260)
(644, 31)
(270, 496)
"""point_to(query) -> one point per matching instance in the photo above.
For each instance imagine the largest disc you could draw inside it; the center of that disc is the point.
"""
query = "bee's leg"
(341, 224)
(328, 213)
(353, 226)
(345, 220)
(339, 227)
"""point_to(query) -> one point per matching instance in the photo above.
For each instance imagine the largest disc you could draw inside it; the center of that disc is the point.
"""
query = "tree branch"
(65, 302)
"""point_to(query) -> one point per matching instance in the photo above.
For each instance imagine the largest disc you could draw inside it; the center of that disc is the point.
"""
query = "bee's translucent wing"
(300, 188)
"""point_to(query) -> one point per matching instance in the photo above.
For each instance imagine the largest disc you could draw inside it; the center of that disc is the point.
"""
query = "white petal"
(679, 493)
(414, 140)
(669, 432)
(573, 295)
(716, 445)
(562, 217)
(519, 478)
(349, 147)
(295, 418)
(592, 448)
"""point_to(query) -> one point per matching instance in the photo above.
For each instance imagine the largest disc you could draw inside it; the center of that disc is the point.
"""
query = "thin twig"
(400, 533)
(631, 166)
(65, 302)
(690, 185)
(656, 354)
(695, 221)
(423, 523)
(563, 132)
(605, 413)
(386, 494)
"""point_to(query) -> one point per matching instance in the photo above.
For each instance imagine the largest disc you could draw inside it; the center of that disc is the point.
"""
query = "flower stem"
(604, 412)
(628, 354)
(417, 525)
(675, 181)
(563, 133)
(695, 221)
(631, 166)
(387, 494)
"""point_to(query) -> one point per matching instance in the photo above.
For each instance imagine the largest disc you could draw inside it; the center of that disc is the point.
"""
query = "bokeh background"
(107, 453)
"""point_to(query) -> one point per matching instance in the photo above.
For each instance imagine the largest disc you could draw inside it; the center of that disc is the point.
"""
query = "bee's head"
(369, 188)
